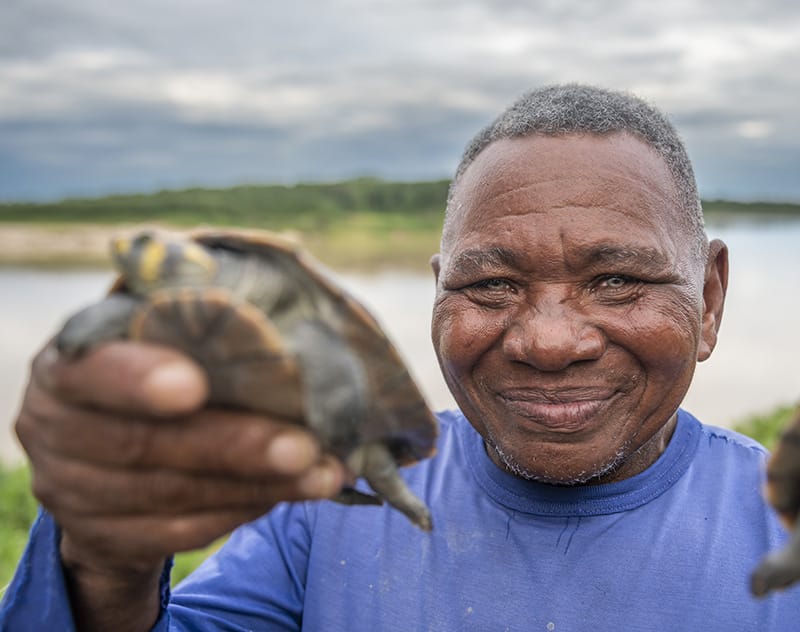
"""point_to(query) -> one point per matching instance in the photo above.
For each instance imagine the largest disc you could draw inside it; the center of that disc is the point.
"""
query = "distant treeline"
(755, 209)
(302, 206)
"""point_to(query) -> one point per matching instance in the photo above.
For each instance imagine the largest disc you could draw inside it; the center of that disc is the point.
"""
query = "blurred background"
(341, 121)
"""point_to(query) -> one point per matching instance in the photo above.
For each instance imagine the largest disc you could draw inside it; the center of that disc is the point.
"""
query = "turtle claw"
(780, 569)
(776, 572)
(351, 496)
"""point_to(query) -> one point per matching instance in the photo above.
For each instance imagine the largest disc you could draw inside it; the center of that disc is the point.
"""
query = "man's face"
(570, 307)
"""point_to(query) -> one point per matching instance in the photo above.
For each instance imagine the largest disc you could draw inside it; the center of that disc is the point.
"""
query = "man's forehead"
(617, 154)
(534, 173)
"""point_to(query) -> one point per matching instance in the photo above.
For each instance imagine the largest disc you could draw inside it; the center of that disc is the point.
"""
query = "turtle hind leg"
(375, 463)
(779, 569)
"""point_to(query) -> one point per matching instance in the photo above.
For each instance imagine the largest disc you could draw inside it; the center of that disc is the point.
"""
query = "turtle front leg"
(376, 464)
(779, 569)
(102, 322)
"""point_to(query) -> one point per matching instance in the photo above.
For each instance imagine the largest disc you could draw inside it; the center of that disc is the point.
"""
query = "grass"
(18, 507)
(17, 511)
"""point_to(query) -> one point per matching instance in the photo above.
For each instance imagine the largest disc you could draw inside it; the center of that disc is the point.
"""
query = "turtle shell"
(250, 362)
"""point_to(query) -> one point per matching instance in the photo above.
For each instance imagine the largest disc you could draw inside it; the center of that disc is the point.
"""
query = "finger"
(125, 376)
(77, 488)
(209, 441)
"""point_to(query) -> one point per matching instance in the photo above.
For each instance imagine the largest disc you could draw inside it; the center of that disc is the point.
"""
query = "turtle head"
(152, 260)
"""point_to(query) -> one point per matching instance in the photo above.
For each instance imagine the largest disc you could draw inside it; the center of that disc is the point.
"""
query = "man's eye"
(616, 281)
(494, 292)
(492, 285)
(617, 287)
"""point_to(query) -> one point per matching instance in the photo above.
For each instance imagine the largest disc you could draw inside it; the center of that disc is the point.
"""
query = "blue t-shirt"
(669, 549)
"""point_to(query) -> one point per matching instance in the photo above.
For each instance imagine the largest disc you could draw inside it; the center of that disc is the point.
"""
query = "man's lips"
(567, 409)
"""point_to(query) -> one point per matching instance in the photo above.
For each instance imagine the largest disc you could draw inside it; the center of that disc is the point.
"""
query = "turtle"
(780, 569)
(276, 335)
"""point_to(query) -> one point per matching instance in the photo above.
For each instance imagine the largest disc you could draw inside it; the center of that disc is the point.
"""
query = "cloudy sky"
(99, 97)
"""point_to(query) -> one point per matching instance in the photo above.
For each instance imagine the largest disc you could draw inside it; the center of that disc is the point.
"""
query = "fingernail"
(291, 453)
(174, 387)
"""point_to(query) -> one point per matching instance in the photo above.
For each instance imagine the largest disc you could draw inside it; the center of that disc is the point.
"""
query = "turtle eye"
(142, 239)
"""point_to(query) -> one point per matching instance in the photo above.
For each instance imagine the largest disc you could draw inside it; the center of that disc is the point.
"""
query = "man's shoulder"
(734, 439)
(718, 437)
(726, 458)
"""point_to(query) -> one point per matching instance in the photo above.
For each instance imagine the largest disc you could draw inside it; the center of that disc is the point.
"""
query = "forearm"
(101, 598)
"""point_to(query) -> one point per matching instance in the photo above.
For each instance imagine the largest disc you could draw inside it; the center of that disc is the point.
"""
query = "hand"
(134, 467)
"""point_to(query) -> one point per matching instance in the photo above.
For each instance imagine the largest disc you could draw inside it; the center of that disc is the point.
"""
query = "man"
(576, 290)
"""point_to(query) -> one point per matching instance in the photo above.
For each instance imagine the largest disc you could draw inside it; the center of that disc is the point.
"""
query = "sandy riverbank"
(55, 245)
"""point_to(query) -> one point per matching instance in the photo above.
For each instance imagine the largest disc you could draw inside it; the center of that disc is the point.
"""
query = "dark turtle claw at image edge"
(275, 336)
(780, 569)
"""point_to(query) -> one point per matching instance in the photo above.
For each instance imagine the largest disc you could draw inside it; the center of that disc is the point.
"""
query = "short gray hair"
(576, 108)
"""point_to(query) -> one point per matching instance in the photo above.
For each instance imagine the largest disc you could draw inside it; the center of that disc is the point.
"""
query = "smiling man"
(576, 291)
(574, 299)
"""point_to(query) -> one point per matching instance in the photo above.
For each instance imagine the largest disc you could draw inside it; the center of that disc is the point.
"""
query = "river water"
(754, 368)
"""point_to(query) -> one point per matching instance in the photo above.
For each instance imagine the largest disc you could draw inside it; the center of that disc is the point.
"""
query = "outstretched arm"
(134, 468)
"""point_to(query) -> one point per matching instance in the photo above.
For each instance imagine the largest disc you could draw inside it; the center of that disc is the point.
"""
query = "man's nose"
(552, 332)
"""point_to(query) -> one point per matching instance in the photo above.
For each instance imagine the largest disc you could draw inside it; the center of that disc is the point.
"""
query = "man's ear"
(436, 264)
(715, 287)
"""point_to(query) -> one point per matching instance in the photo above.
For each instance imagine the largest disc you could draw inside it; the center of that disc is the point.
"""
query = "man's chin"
(592, 474)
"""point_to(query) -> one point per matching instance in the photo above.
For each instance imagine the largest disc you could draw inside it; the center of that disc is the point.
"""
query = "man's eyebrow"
(647, 258)
(478, 260)
(607, 254)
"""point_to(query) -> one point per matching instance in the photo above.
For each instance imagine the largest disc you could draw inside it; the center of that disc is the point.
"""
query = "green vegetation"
(369, 202)
(366, 202)
(715, 210)
(17, 511)
(364, 223)
(18, 507)
(766, 428)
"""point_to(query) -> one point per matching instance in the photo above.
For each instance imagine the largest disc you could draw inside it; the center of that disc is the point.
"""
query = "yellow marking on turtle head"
(151, 259)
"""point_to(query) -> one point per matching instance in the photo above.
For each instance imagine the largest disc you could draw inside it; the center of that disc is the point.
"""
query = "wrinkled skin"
(133, 467)
(570, 312)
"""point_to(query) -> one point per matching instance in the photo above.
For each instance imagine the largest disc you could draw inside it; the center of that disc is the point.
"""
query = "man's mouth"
(565, 410)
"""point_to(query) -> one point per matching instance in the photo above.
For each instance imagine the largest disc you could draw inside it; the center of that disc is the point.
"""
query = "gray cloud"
(98, 96)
